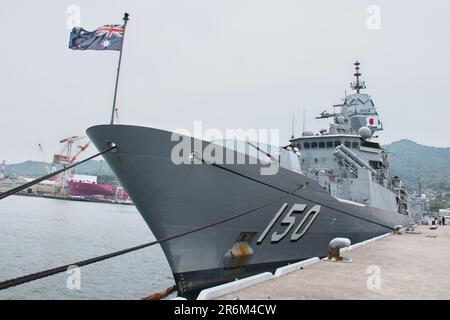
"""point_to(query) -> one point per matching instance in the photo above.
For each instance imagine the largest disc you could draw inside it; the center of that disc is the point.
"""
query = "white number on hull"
(313, 211)
(290, 221)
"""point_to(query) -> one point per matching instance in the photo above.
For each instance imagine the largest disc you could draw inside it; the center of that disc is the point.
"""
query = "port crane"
(68, 155)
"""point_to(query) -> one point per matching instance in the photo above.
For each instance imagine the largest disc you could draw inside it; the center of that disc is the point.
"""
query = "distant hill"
(412, 161)
(34, 169)
(409, 160)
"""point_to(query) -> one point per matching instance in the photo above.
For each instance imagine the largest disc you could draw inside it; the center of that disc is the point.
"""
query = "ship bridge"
(344, 159)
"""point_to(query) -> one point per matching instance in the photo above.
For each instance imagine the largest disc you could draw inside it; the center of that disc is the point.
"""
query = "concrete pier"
(404, 266)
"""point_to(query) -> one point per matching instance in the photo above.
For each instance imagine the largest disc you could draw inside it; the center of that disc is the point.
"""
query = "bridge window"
(329, 144)
(313, 145)
(348, 144)
(307, 145)
(355, 145)
(337, 143)
(321, 144)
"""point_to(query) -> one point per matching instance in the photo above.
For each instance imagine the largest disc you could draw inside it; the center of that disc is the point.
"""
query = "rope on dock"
(162, 294)
(48, 176)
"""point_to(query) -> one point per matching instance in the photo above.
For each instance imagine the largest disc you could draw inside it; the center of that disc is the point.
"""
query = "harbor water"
(38, 234)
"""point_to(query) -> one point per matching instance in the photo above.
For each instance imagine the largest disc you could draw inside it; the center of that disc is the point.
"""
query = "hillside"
(412, 161)
(34, 169)
(409, 160)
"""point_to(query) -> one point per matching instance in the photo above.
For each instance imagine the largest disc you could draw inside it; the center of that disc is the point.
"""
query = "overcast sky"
(230, 63)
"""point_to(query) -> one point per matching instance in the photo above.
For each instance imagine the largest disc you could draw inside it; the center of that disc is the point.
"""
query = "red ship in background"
(85, 186)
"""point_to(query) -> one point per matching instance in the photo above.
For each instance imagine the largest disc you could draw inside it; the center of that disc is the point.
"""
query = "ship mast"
(114, 107)
(357, 85)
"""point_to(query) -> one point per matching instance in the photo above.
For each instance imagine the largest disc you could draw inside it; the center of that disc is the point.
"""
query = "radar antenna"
(358, 84)
(293, 125)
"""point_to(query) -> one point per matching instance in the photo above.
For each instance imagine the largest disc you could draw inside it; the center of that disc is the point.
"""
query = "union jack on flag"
(108, 37)
(110, 31)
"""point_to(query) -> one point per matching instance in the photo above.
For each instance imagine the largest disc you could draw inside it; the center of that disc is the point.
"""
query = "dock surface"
(404, 266)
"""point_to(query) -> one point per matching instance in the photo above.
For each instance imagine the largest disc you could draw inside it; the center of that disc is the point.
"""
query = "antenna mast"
(293, 120)
(304, 117)
(357, 85)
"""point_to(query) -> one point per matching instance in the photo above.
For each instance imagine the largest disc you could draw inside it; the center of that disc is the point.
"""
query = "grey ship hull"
(174, 199)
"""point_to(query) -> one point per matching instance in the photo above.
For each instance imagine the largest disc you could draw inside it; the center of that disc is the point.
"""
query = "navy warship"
(238, 220)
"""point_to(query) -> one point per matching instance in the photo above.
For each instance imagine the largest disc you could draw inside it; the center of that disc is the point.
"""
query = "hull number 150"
(289, 220)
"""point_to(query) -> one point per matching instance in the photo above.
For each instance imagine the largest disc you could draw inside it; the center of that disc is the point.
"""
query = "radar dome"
(365, 132)
(340, 119)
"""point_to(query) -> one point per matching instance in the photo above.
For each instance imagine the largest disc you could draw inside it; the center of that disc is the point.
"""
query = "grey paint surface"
(178, 198)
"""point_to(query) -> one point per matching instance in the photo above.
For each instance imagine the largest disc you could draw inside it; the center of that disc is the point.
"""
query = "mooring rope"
(162, 294)
(42, 274)
(299, 196)
(38, 275)
(48, 176)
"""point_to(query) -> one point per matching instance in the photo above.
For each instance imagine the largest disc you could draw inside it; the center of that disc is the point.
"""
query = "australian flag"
(108, 37)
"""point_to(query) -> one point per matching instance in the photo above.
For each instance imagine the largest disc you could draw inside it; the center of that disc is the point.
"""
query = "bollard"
(412, 228)
(334, 249)
(397, 229)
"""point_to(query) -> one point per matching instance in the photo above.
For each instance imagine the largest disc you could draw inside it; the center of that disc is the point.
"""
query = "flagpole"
(125, 20)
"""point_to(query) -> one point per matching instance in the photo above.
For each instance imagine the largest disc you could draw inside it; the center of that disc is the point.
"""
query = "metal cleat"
(334, 250)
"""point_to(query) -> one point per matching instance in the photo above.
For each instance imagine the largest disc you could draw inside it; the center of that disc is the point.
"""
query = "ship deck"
(404, 266)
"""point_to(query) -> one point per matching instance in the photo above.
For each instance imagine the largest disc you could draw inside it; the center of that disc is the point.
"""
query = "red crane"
(82, 149)
(66, 155)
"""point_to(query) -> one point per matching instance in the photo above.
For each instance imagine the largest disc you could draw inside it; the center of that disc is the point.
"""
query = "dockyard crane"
(67, 157)
(51, 166)
(82, 149)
